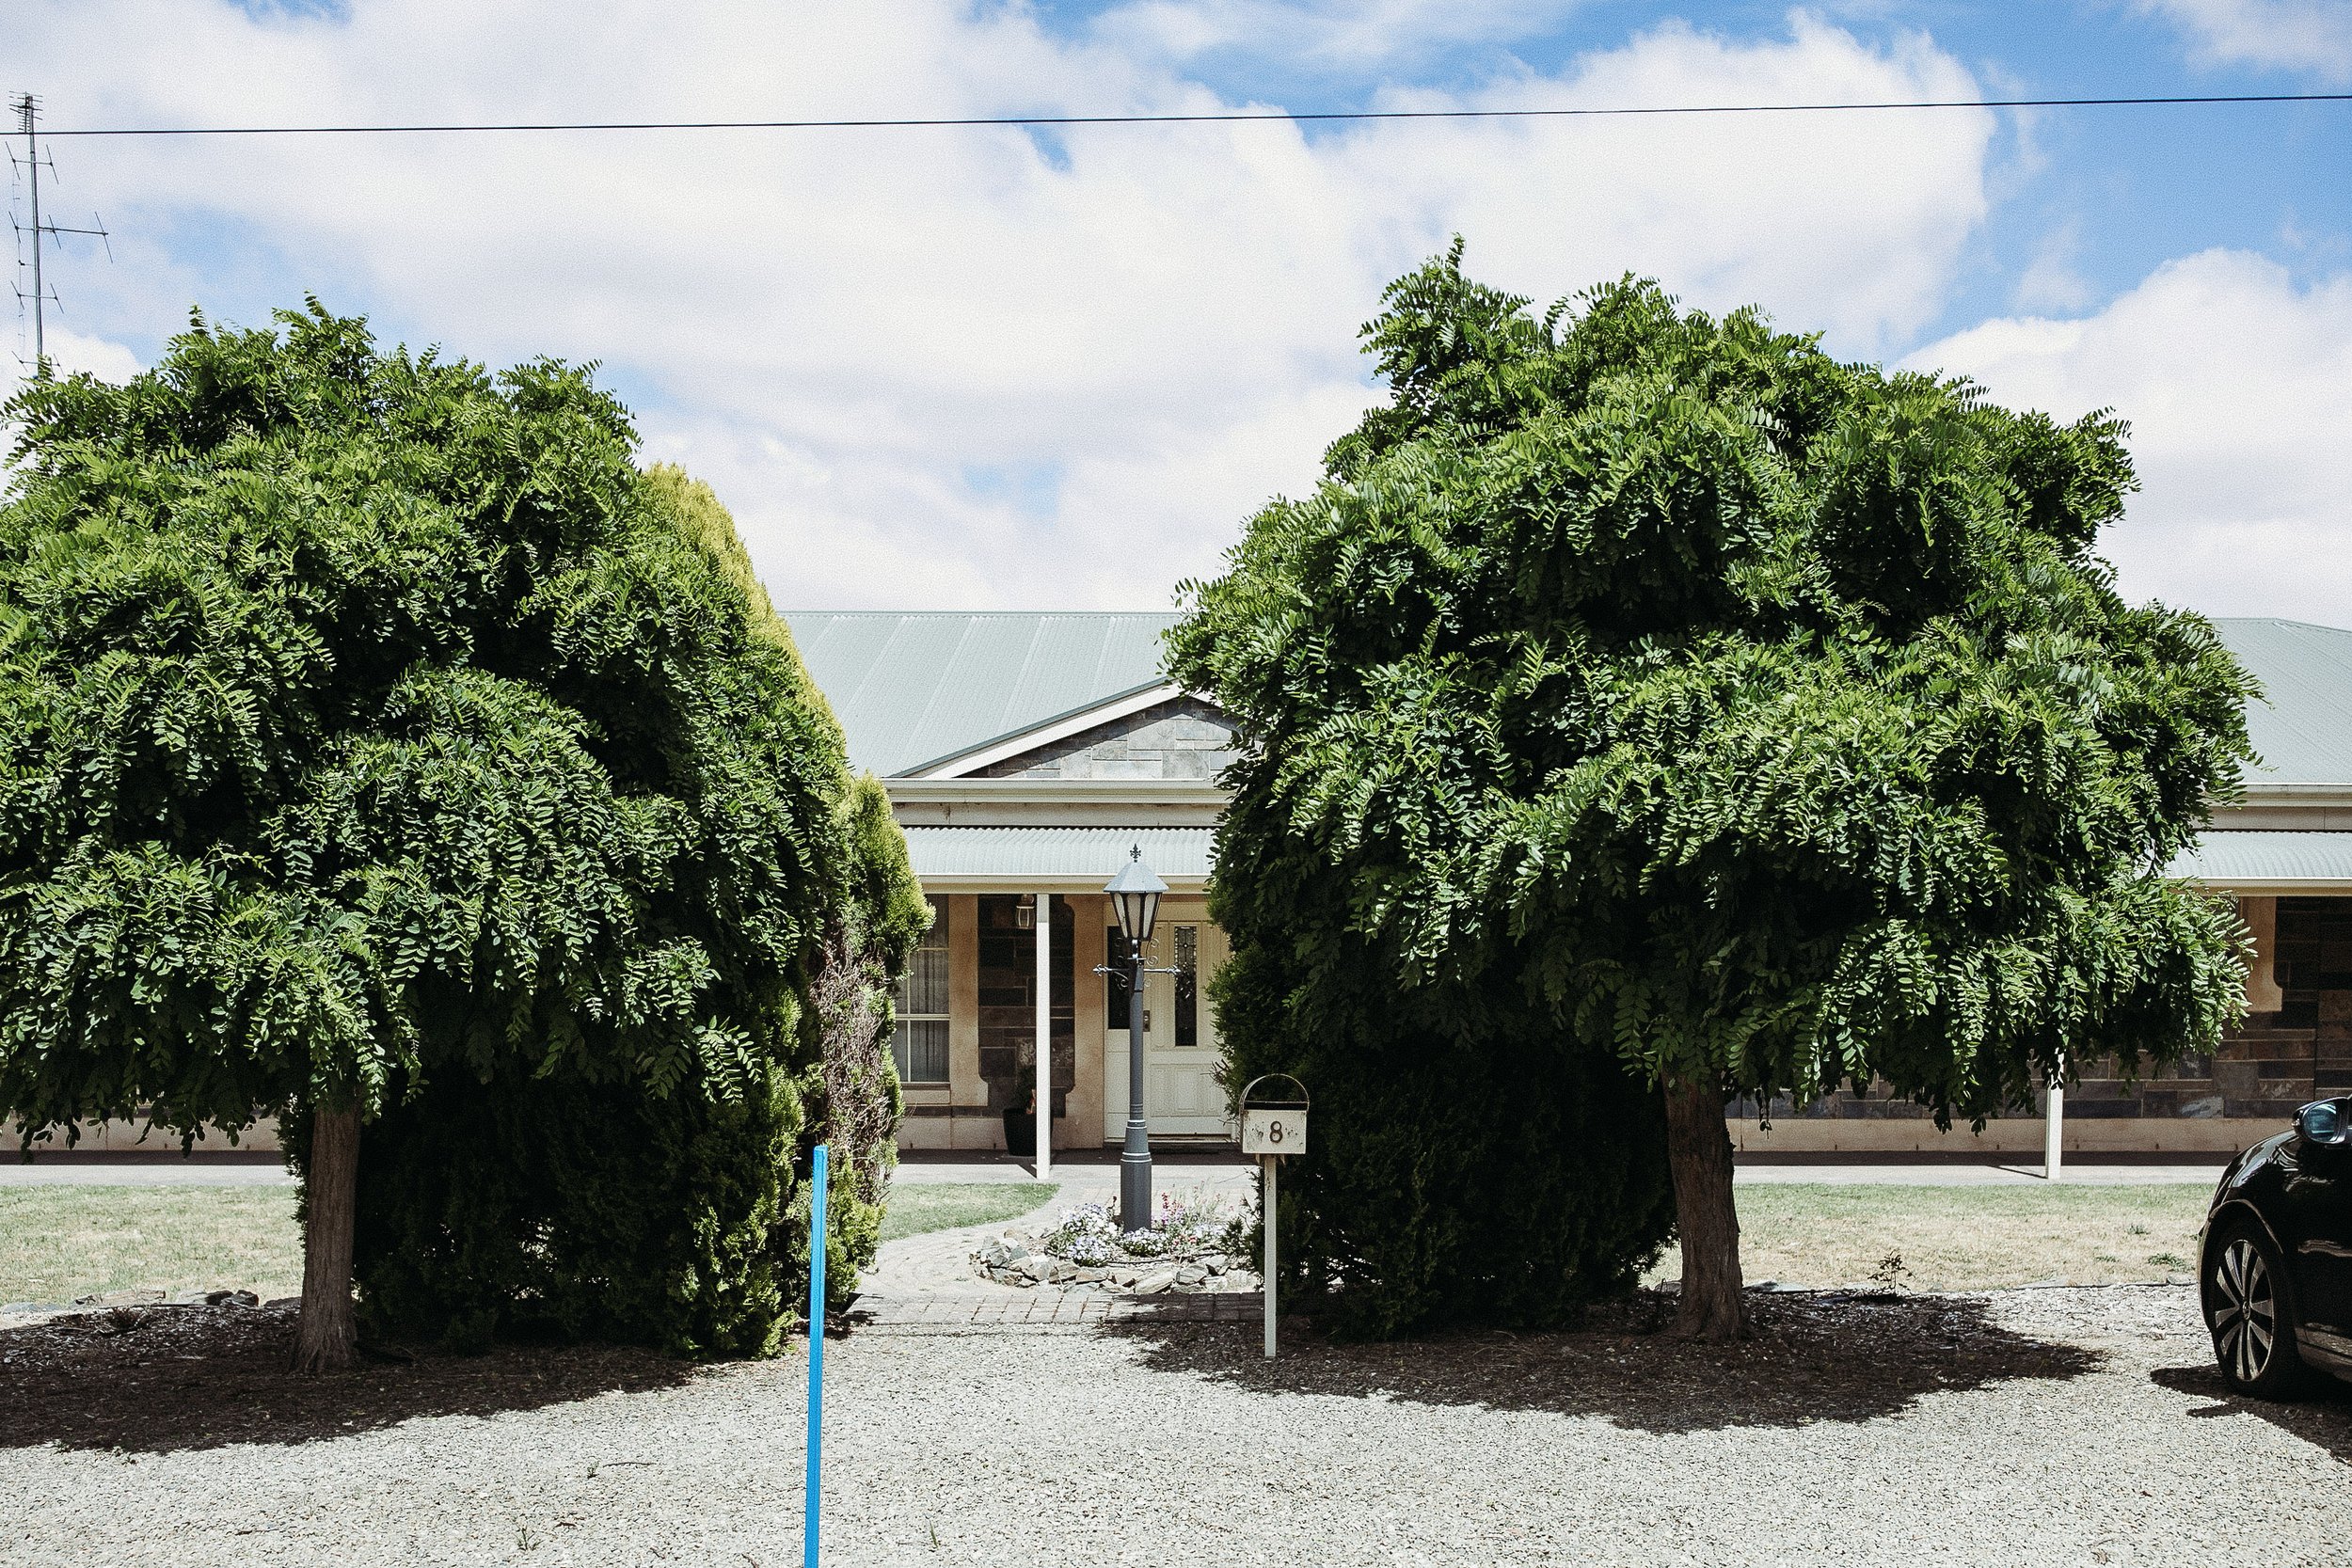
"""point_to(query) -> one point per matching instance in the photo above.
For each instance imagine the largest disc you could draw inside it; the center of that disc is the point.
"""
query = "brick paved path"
(1044, 1307)
(927, 1284)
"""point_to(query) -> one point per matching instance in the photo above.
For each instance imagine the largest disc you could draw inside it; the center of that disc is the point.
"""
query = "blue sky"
(994, 368)
(2092, 198)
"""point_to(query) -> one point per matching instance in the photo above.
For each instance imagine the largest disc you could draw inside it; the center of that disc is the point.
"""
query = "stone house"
(1027, 753)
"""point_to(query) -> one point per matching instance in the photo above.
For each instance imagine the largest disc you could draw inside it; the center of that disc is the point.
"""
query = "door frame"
(1159, 999)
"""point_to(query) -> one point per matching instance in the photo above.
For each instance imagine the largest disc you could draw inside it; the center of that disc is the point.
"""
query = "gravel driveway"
(2054, 1426)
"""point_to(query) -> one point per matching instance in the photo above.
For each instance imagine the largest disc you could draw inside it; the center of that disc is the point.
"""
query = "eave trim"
(956, 764)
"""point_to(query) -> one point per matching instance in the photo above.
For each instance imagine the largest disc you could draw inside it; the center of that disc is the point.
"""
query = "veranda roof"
(1059, 859)
(2269, 863)
(1085, 857)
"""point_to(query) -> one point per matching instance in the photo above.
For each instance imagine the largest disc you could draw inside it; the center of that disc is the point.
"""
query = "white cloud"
(69, 353)
(1853, 224)
(2233, 378)
(1337, 33)
(2052, 280)
(2313, 36)
(970, 367)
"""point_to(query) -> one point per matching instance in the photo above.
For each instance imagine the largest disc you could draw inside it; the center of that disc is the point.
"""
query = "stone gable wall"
(1181, 738)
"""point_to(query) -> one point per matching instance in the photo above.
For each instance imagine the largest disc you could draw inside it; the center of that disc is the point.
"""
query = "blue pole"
(815, 1357)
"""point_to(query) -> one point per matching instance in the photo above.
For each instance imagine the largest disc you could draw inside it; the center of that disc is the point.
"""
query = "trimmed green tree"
(1768, 723)
(516, 1204)
(371, 728)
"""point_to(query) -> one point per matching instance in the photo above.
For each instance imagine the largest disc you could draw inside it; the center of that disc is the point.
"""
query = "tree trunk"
(1698, 1152)
(327, 1336)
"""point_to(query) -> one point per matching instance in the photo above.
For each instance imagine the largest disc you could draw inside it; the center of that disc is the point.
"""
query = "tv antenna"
(42, 293)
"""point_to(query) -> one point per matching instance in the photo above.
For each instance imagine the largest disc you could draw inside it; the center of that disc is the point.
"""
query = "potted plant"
(1021, 1116)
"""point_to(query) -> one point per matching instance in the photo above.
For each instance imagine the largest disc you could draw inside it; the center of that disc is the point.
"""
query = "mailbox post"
(1272, 1128)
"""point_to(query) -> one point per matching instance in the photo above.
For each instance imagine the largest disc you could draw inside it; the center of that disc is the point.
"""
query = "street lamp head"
(1134, 893)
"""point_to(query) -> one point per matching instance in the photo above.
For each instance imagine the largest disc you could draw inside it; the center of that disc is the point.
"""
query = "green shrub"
(534, 1206)
(1765, 722)
(556, 1208)
(1466, 1162)
(382, 751)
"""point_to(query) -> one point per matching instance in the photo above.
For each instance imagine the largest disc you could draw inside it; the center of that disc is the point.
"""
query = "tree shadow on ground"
(152, 1379)
(2322, 1417)
(1816, 1356)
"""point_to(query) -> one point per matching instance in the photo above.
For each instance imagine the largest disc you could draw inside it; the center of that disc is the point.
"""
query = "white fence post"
(2054, 1130)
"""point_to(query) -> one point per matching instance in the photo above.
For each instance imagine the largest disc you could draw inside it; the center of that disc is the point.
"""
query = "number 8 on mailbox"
(1266, 1132)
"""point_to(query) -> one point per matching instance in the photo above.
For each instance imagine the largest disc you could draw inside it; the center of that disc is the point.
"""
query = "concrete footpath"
(1084, 1179)
(1089, 1176)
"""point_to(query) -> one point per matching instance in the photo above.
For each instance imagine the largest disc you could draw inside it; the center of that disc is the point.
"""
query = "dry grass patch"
(1964, 1238)
(57, 1243)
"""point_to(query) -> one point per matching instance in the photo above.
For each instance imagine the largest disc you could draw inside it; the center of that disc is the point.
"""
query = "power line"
(1220, 117)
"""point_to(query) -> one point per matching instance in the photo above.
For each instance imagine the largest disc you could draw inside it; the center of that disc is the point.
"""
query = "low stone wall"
(2007, 1139)
(136, 1137)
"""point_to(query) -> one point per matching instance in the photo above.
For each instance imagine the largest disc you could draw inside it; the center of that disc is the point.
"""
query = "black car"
(2276, 1263)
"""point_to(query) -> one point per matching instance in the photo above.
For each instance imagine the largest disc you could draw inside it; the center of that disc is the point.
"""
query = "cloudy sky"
(993, 367)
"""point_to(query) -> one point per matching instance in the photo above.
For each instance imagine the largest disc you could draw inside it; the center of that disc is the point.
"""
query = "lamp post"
(1135, 894)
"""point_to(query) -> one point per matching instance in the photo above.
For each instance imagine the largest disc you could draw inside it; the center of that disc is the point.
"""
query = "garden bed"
(1195, 1247)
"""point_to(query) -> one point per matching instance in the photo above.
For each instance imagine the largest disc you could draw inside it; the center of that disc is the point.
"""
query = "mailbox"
(1274, 1130)
(1270, 1129)
(1274, 1124)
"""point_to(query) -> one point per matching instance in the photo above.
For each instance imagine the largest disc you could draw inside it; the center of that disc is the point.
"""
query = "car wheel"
(2246, 1306)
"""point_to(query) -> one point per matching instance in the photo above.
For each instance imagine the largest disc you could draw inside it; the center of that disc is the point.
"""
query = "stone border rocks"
(1011, 1259)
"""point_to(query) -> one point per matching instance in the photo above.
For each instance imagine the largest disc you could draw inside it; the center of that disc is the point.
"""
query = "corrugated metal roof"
(2231, 858)
(1090, 855)
(912, 688)
(2302, 729)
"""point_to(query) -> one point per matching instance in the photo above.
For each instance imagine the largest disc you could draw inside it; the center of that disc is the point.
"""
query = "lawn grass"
(1963, 1238)
(62, 1241)
(57, 1243)
(942, 1206)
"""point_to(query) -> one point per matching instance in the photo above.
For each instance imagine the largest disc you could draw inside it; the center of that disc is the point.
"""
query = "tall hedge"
(526, 1205)
(1664, 687)
(1468, 1162)
(381, 749)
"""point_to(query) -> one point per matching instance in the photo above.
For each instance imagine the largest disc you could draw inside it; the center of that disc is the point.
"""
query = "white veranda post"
(1044, 1035)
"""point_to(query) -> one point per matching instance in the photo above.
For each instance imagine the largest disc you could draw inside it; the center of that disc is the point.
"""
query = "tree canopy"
(1768, 722)
(368, 723)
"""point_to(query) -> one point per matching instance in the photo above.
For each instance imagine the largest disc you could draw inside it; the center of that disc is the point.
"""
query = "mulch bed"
(1816, 1355)
(155, 1378)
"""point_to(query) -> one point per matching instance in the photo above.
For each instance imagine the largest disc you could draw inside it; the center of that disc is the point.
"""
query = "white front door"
(1181, 1093)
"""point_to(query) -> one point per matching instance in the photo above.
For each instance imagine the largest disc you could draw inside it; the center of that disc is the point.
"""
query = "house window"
(919, 1045)
(1187, 985)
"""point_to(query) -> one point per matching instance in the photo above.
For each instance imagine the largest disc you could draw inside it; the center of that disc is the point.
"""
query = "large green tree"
(1768, 722)
(369, 726)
